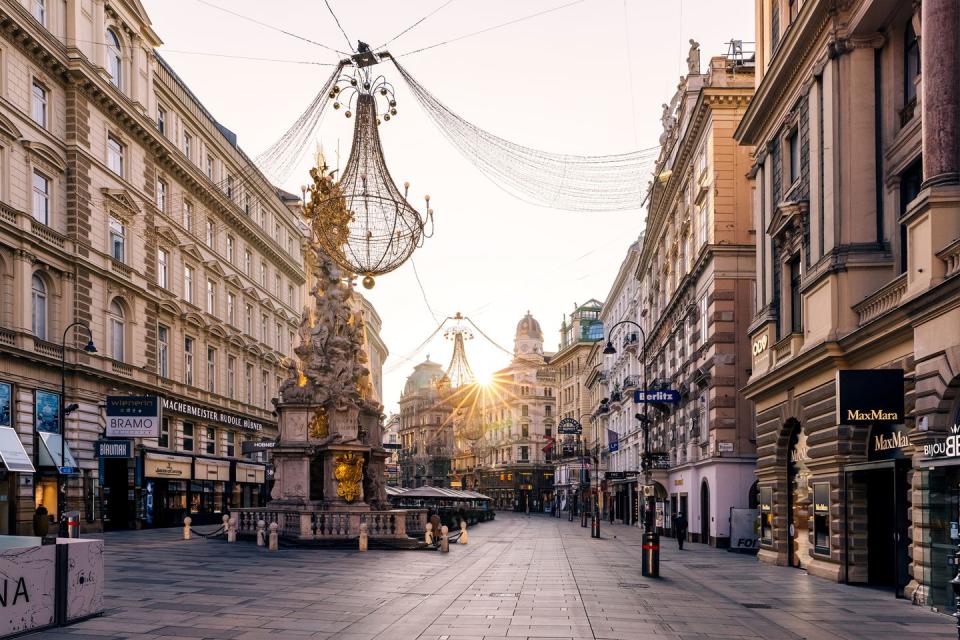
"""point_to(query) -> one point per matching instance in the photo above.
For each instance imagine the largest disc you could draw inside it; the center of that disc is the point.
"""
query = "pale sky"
(559, 82)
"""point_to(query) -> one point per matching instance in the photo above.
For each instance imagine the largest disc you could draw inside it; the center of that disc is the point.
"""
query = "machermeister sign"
(211, 414)
(870, 396)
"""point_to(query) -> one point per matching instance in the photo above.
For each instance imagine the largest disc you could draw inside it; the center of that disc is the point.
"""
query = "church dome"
(529, 329)
(425, 376)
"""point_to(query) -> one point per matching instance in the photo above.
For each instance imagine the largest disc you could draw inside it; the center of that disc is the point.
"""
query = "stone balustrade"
(951, 258)
(318, 526)
(881, 301)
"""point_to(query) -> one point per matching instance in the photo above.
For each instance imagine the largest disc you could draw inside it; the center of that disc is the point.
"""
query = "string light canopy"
(363, 222)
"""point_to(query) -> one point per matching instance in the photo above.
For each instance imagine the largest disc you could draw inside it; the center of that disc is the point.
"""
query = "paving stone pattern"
(520, 577)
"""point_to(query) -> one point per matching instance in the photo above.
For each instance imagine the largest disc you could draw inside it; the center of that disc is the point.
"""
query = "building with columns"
(696, 275)
(126, 207)
(855, 127)
(426, 428)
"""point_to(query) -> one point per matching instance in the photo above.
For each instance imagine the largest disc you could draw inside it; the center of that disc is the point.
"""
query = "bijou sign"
(949, 448)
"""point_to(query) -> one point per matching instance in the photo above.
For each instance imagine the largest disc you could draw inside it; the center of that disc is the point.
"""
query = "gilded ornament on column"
(319, 424)
(348, 472)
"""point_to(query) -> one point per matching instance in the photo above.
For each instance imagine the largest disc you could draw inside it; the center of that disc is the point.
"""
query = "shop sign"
(615, 475)
(760, 345)
(6, 404)
(949, 448)
(569, 426)
(133, 417)
(210, 414)
(821, 498)
(887, 442)
(253, 446)
(664, 396)
(870, 396)
(725, 447)
(160, 466)
(114, 449)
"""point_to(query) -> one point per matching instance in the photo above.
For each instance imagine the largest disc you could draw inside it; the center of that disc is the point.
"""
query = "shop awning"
(254, 473)
(14, 456)
(50, 444)
(210, 469)
(159, 465)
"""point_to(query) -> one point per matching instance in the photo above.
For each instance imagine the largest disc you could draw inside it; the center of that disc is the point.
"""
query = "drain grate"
(504, 595)
(756, 605)
(700, 566)
(633, 585)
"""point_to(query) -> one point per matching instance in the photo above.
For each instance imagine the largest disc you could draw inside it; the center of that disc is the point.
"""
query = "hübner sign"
(214, 415)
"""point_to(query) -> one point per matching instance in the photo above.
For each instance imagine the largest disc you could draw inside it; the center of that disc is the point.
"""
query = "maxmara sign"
(870, 396)
(211, 414)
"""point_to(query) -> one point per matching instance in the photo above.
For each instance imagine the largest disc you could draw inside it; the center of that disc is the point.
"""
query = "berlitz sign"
(870, 396)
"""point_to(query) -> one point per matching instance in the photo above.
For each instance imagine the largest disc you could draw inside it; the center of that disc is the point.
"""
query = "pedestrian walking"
(680, 526)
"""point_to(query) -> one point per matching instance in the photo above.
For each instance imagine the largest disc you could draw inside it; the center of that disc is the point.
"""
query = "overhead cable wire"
(489, 339)
(339, 26)
(422, 290)
(214, 54)
(272, 27)
(633, 99)
(410, 355)
(414, 25)
(494, 27)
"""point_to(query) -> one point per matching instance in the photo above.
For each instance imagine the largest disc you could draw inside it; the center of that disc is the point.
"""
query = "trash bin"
(73, 524)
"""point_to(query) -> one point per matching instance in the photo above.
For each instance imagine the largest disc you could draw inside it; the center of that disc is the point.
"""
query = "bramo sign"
(133, 417)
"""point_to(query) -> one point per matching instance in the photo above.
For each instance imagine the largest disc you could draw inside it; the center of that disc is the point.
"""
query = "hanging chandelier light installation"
(364, 223)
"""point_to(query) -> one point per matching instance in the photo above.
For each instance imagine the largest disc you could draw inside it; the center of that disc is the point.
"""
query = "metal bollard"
(583, 519)
(595, 525)
(428, 536)
(186, 527)
(261, 533)
(463, 539)
(444, 541)
(363, 536)
(274, 537)
(232, 530)
(650, 558)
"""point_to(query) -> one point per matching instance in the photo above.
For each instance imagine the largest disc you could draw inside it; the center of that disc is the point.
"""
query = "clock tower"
(528, 342)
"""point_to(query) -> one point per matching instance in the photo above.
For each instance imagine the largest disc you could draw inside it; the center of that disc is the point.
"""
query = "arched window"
(114, 58)
(39, 306)
(117, 331)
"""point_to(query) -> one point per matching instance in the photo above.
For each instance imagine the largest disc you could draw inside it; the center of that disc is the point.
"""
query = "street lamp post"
(650, 558)
(64, 410)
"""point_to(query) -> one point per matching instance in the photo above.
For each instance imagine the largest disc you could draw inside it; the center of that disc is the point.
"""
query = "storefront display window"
(821, 517)
(766, 515)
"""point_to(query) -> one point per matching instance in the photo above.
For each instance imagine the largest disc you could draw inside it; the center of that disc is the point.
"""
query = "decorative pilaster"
(940, 103)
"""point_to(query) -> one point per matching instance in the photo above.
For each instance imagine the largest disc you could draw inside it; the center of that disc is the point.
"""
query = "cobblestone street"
(520, 577)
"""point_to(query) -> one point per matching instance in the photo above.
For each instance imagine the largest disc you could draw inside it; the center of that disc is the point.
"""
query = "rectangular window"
(265, 388)
(704, 319)
(211, 233)
(248, 262)
(524, 454)
(230, 249)
(41, 198)
(702, 223)
(231, 444)
(796, 310)
(793, 142)
(115, 155)
(161, 120)
(525, 430)
(163, 351)
(188, 436)
(279, 337)
(276, 232)
(164, 440)
(231, 305)
(524, 410)
(231, 376)
(163, 268)
(211, 441)
(264, 332)
(263, 274)
(248, 382)
(187, 144)
(210, 161)
(821, 517)
(229, 187)
(277, 284)
(188, 215)
(188, 360)
(40, 11)
(211, 370)
(117, 239)
(38, 105)
(248, 322)
(211, 297)
(910, 182)
(290, 295)
(246, 204)
(188, 283)
(161, 195)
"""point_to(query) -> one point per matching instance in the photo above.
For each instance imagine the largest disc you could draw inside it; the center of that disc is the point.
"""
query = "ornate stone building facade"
(426, 428)
(696, 275)
(574, 473)
(125, 206)
(856, 128)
